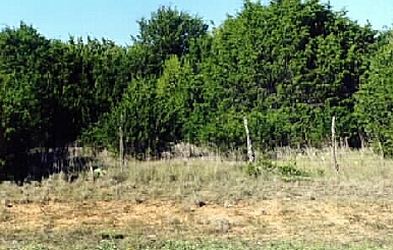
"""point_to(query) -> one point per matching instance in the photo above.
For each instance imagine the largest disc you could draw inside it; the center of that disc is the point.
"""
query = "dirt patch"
(314, 220)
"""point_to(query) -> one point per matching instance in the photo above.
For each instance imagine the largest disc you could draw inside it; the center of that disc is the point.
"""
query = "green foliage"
(292, 65)
(256, 169)
(287, 172)
(50, 91)
(152, 113)
(288, 67)
(157, 106)
(107, 245)
(135, 114)
(168, 32)
(26, 94)
(375, 98)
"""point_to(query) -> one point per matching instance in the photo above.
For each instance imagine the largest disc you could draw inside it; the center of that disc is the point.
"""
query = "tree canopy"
(289, 66)
(375, 98)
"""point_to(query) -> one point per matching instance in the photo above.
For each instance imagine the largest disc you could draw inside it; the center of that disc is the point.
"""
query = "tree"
(298, 59)
(168, 32)
(50, 91)
(375, 98)
(90, 79)
(26, 94)
(136, 114)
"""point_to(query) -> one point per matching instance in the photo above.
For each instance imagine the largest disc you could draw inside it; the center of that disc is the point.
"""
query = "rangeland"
(297, 202)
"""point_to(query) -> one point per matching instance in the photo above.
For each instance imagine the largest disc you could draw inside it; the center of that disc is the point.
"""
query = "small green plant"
(288, 170)
(256, 169)
(253, 170)
(107, 245)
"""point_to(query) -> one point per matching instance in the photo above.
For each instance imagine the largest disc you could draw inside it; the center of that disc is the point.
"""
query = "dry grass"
(157, 201)
(355, 165)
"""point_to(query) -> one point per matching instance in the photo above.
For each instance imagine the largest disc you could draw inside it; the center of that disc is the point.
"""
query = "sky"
(116, 19)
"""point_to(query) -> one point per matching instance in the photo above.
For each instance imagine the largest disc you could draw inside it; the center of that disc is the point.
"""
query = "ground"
(186, 205)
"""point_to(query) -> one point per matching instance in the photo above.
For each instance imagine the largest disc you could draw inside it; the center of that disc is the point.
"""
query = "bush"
(256, 169)
(286, 171)
(375, 97)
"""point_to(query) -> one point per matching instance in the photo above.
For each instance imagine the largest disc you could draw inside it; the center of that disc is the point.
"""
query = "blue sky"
(116, 19)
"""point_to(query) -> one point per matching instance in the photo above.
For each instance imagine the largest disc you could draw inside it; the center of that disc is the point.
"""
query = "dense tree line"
(288, 66)
(374, 100)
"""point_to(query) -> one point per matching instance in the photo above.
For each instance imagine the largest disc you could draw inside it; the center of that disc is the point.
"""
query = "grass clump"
(107, 245)
(287, 171)
(202, 245)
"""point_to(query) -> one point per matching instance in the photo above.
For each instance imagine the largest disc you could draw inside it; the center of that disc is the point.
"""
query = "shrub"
(286, 171)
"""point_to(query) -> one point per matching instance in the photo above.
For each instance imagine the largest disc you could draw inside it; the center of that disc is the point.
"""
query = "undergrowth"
(288, 171)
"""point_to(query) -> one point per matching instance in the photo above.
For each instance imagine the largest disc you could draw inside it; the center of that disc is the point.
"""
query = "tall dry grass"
(321, 208)
(355, 165)
(218, 179)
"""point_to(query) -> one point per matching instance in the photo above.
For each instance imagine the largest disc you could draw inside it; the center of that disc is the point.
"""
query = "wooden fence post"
(121, 144)
(334, 146)
(250, 152)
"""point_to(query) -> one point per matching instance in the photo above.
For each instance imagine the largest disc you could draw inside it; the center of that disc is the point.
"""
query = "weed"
(107, 245)
(286, 171)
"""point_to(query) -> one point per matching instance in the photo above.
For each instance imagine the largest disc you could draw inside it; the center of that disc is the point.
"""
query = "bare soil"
(328, 220)
(203, 201)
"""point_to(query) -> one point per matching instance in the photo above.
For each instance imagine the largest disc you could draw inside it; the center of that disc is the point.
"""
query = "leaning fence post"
(250, 152)
(121, 144)
(334, 146)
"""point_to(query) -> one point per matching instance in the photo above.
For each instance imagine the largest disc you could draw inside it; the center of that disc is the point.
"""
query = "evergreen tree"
(375, 98)
(298, 59)
(168, 32)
